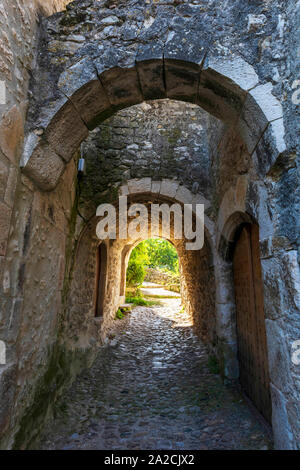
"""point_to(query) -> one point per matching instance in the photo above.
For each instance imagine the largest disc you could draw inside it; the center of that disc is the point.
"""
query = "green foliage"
(141, 301)
(135, 274)
(119, 314)
(136, 270)
(136, 298)
(162, 254)
(155, 253)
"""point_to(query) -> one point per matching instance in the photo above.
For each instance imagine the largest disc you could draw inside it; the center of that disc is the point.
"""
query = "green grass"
(140, 301)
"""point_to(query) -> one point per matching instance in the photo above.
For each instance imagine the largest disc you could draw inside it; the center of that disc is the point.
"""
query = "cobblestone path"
(152, 387)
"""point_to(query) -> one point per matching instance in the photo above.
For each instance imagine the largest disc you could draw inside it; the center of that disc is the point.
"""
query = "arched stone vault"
(77, 83)
(93, 87)
(83, 85)
(206, 278)
(197, 269)
(225, 86)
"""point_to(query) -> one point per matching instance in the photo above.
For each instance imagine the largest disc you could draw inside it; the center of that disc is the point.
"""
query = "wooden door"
(251, 332)
(101, 279)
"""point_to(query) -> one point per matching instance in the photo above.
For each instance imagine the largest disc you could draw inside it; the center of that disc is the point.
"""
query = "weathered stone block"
(81, 84)
(169, 188)
(44, 166)
(15, 320)
(5, 215)
(283, 436)
(139, 186)
(291, 275)
(155, 187)
(293, 412)
(279, 357)
(119, 77)
(150, 69)
(8, 376)
(3, 178)
(270, 147)
(12, 134)
(264, 106)
(11, 186)
(200, 199)
(183, 195)
(124, 190)
(273, 288)
(184, 53)
(267, 102)
(227, 352)
(231, 71)
(66, 131)
(217, 99)
(226, 320)
(224, 83)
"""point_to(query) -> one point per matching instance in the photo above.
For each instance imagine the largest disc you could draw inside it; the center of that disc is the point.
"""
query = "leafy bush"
(119, 314)
(162, 254)
(155, 253)
(135, 274)
(136, 271)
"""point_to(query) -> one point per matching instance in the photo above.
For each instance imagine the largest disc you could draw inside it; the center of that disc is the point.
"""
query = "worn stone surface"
(149, 140)
(151, 387)
(245, 167)
(229, 87)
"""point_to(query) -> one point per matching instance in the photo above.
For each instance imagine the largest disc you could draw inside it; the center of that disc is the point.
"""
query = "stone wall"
(34, 231)
(246, 168)
(172, 281)
(198, 290)
(158, 139)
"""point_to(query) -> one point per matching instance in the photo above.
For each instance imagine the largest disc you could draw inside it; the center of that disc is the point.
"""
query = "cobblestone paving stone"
(151, 388)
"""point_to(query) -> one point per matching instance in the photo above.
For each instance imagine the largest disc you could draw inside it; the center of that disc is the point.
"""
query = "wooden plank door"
(101, 279)
(251, 332)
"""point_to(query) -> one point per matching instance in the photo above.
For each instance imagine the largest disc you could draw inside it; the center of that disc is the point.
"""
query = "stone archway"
(93, 88)
(93, 83)
(81, 305)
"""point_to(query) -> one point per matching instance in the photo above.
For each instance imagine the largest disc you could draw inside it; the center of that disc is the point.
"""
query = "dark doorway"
(101, 270)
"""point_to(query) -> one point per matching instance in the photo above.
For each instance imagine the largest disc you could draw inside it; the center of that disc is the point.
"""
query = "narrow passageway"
(154, 386)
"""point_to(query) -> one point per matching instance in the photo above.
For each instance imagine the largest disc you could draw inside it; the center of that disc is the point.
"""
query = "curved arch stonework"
(91, 90)
(239, 157)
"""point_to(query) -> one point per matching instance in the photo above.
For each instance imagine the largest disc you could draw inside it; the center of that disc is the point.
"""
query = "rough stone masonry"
(169, 101)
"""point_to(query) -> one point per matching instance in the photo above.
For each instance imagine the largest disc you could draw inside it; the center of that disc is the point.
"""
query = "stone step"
(125, 307)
